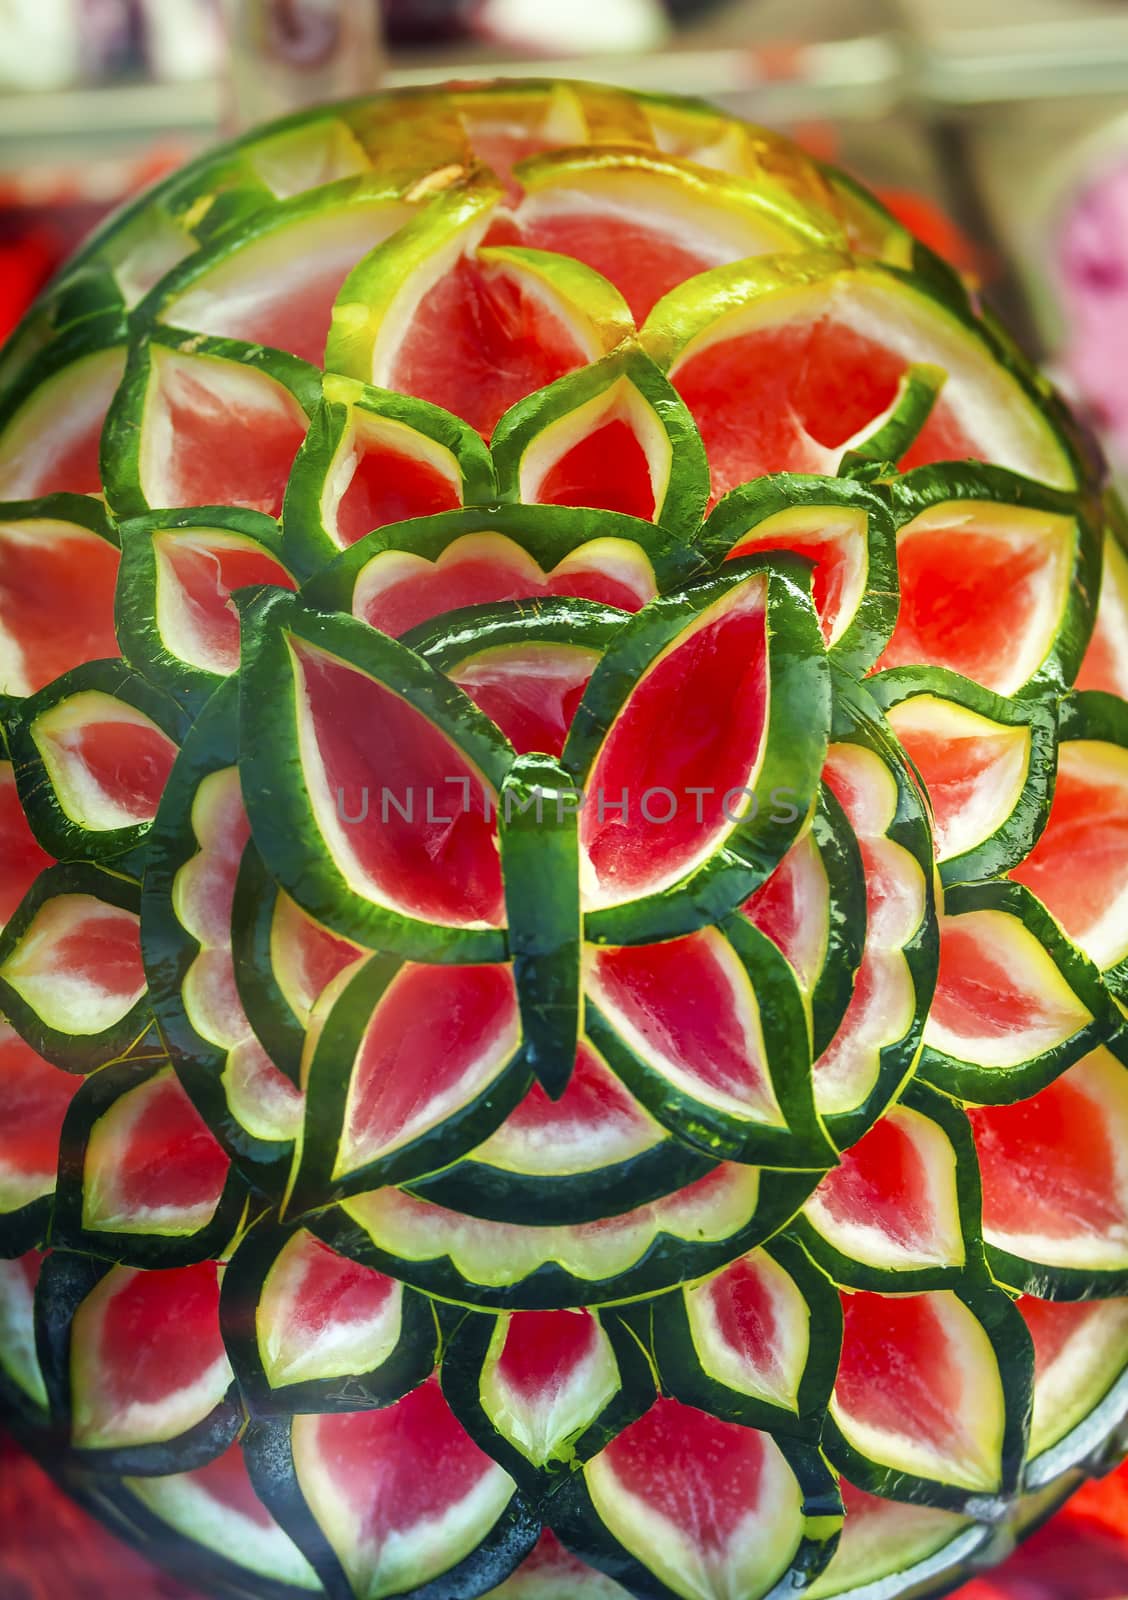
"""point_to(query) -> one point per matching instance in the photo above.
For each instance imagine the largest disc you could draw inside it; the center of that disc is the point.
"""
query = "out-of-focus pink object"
(1092, 269)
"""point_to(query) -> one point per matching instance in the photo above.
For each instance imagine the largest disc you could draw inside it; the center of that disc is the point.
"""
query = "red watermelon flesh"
(1051, 1165)
(958, 613)
(900, 1372)
(550, 1570)
(209, 416)
(748, 1319)
(393, 1471)
(55, 438)
(595, 1116)
(390, 485)
(978, 994)
(962, 773)
(835, 562)
(542, 1351)
(56, 600)
(396, 592)
(530, 691)
(792, 906)
(683, 1001)
(643, 261)
(1053, 1325)
(695, 720)
(22, 858)
(306, 956)
(95, 943)
(437, 1037)
(204, 573)
(127, 761)
(156, 1336)
(700, 1474)
(227, 1481)
(288, 303)
(789, 397)
(607, 469)
(500, 147)
(168, 1160)
(34, 1097)
(74, 467)
(438, 864)
(884, 1182)
(1082, 856)
(1105, 665)
(479, 342)
(329, 1292)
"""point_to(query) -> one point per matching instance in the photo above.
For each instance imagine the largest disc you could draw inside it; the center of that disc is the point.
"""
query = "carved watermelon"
(565, 874)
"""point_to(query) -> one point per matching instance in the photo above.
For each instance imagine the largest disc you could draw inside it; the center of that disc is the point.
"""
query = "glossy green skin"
(994, 1086)
(854, 1274)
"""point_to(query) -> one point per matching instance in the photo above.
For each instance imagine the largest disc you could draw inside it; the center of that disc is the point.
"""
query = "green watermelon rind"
(316, 1183)
(842, 863)
(950, 482)
(1014, 1355)
(681, 504)
(115, 1503)
(407, 1365)
(768, 200)
(667, 1260)
(275, 1024)
(1092, 714)
(449, 641)
(64, 1282)
(168, 949)
(547, 533)
(1003, 1085)
(742, 510)
(276, 216)
(61, 835)
(854, 1274)
(859, 721)
(720, 1134)
(791, 757)
(269, 1458)
(306, 542)
(684, 1375)
(540, 863)
(135, 618)
(498, 1194)
(574, 1519)
(1046, 1281)
(133, 1249)
(875, 456)
(1011, 842)
(73, 1052)
(464, 1353)
(283, 823)
(687, 312)
(370, 290)
(98, 335)
(120, 454)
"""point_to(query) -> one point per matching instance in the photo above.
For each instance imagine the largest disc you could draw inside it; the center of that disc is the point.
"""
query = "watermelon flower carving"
(563, 875)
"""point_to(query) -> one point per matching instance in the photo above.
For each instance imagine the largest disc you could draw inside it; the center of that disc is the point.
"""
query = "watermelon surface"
(562, 852)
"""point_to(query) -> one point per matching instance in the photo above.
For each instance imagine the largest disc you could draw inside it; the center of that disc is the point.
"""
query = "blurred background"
(998, 129)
